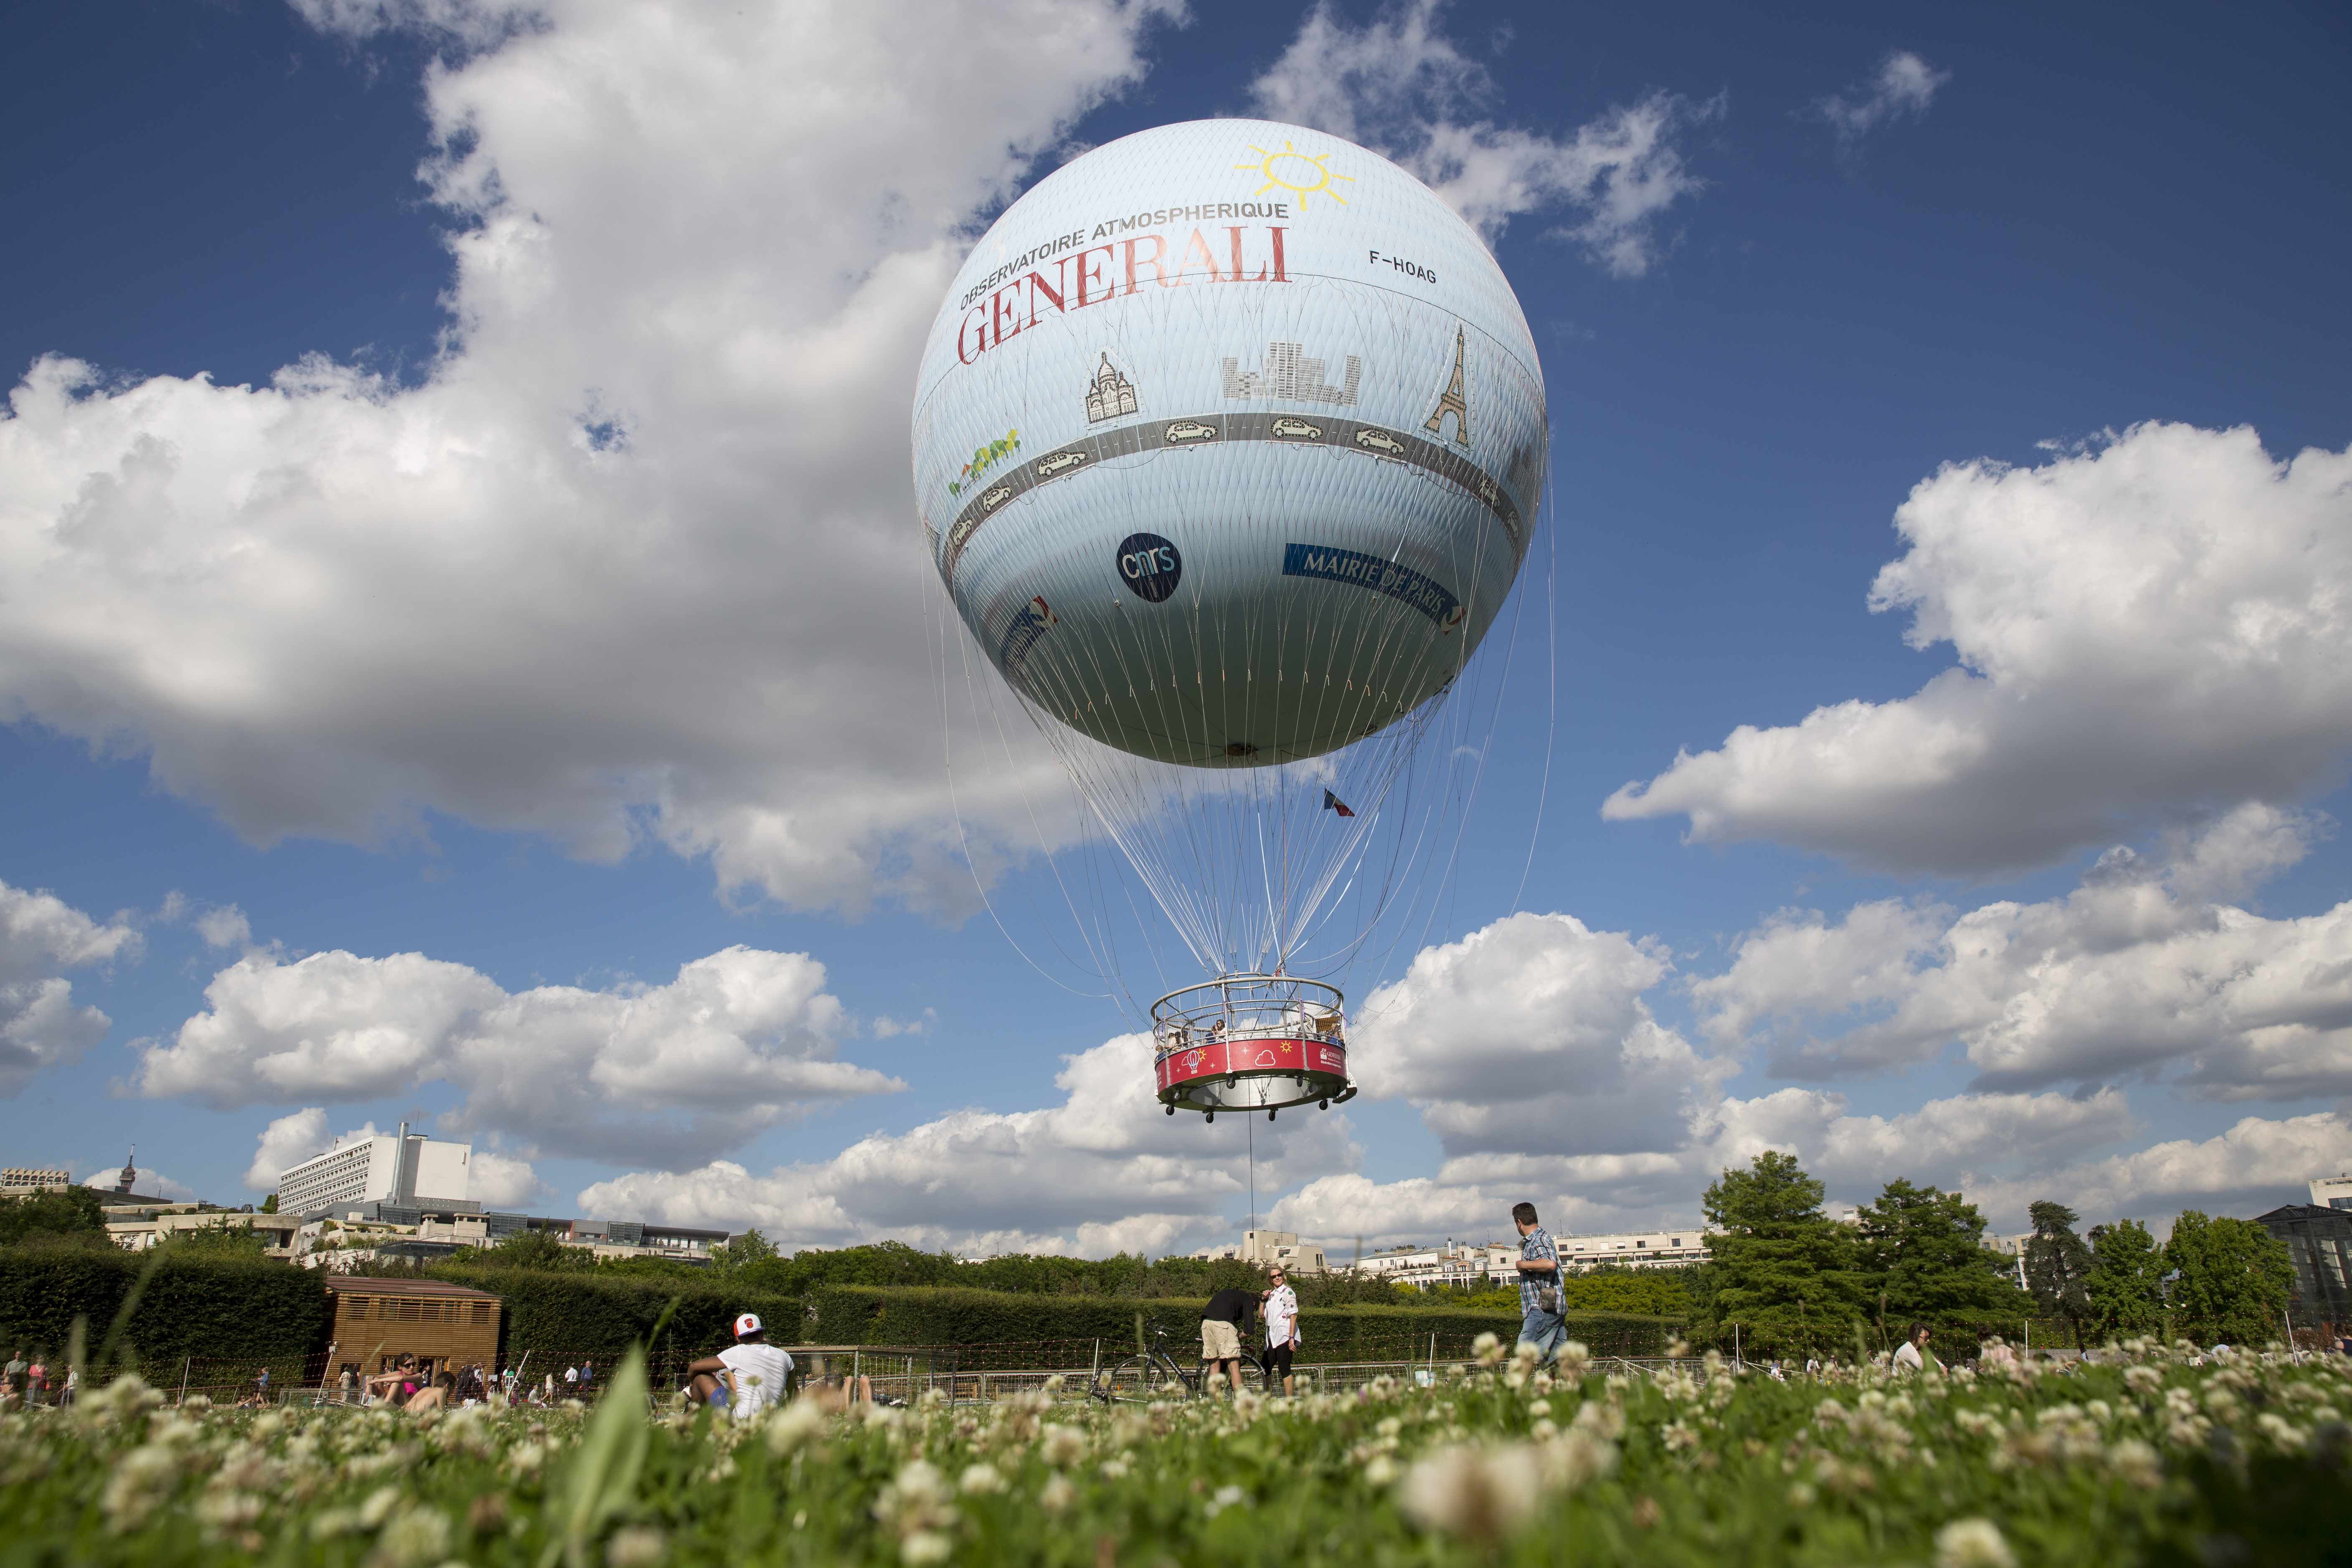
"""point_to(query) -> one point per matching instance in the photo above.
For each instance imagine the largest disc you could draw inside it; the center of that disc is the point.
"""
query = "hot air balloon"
(1228, 441)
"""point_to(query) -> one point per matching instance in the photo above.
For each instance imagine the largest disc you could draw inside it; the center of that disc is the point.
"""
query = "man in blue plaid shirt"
(1538, 1279)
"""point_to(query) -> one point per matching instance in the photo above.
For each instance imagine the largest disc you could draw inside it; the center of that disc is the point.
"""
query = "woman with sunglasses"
(1281, 1313)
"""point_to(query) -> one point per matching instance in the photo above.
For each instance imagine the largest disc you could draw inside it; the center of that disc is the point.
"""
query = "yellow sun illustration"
(1302, 174)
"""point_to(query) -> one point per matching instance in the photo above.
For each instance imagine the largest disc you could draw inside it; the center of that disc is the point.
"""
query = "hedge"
(210, 1309)
(568, 1315)
(885, 1315)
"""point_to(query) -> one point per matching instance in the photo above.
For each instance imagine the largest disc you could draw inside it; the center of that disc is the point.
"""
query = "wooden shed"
(376, 1322)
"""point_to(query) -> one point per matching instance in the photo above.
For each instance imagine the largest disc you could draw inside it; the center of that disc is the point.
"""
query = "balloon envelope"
(1227, 443)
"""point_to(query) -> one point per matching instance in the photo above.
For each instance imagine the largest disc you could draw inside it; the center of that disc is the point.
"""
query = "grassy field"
(2147, 1460)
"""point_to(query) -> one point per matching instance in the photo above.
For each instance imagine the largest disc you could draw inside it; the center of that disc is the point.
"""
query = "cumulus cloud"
(739, 1041)
(1398, 85)
(40, 1027)
(1104, 1171)
(2141, 971)
(2153, 630)
(2003, 1151)
(633, 563)
(289, 1141)
(148, 1184)
(1902, 87)
(1532, 1035)
(499, 1181)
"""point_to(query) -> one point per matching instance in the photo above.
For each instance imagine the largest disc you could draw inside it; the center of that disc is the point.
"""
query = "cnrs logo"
(1150, 566)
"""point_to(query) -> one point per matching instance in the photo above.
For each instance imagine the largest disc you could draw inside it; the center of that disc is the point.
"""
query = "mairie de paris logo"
(1305, 175)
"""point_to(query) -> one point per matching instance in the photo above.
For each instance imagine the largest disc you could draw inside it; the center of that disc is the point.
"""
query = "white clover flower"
(794, 1425)
(981, 1480)
(1380, 1470)
(1571, 1460)
(1575, 1361)
(925, 1547)
(1061, 1445)
(1678, 1348)
(635, 1546)
(1113, 1469)
(1484, 1495)
(137, 1485)
(418, 1536)
(373, 1511)
(1488, 1349)
(1058, 1495)
(1972, 1543)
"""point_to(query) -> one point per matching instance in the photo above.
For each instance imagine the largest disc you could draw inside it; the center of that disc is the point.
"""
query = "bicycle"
(1155, 1374)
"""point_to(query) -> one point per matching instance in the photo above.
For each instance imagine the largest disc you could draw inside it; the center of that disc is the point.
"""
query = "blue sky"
(382, 656)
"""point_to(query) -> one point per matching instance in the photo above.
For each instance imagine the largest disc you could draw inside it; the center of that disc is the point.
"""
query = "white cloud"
(1532, 1036)
(226, 926)
(1104, 1171)
(499, 1181)
(40, 1027)
(1904, 85)
(633, 563)
(2154, 630)
(2256, 1166)
(739, 1041)
(1401, 87)
(2140, 972)
(287, 1141)
(149, 1183)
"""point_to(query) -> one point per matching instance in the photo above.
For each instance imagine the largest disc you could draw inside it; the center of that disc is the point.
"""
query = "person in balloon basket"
(756, 1369)
(1222, 1323)
(1281, 1330)
(1540, 1323)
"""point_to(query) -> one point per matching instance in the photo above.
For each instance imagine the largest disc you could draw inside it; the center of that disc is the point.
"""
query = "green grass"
(2112, 1465)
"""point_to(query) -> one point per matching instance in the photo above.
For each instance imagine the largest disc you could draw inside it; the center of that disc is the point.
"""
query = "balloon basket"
(1251, 1042)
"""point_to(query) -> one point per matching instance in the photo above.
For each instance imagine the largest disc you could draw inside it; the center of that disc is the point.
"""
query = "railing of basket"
(1248, 1007)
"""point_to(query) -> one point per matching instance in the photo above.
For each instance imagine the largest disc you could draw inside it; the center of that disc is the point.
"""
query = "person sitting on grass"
(759, 1369)
(434, 1395)
(715, 1388)
(1912, 1356)
(839, 1392)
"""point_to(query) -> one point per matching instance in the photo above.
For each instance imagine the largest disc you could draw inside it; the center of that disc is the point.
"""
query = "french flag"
(1333, 803)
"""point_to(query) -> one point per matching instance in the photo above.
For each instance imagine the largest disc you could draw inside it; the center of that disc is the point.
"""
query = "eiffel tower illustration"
(1454, 399)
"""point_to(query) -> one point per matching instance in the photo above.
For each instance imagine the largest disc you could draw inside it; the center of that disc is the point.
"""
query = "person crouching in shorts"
(1223, 1321)
(1281, 1330)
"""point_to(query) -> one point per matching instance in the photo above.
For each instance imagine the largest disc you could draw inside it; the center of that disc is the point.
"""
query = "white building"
(2332, 1192)
(1272, 1249)
(18, 1182)
(1667, 1245)
(410, 1171)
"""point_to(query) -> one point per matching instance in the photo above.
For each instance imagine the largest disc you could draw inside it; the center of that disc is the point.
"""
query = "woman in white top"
(1281, 1313)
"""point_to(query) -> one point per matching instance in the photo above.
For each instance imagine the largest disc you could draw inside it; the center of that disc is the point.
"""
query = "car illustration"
(996, 498)
(1189, 430)
(1291, 429)
(1381, 441)
(1058, 463)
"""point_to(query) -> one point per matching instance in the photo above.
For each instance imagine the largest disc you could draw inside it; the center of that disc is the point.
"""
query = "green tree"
(729, 1257)
(269, 1204)
(2235, 1279)
(217, 1237)
(530, 1250)
(1921, 1251)
(1780, 1267)
(72, 1215)
(2126, 1283)
(2057, 1266)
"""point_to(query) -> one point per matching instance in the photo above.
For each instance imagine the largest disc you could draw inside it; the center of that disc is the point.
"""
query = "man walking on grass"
(1541, 1324)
